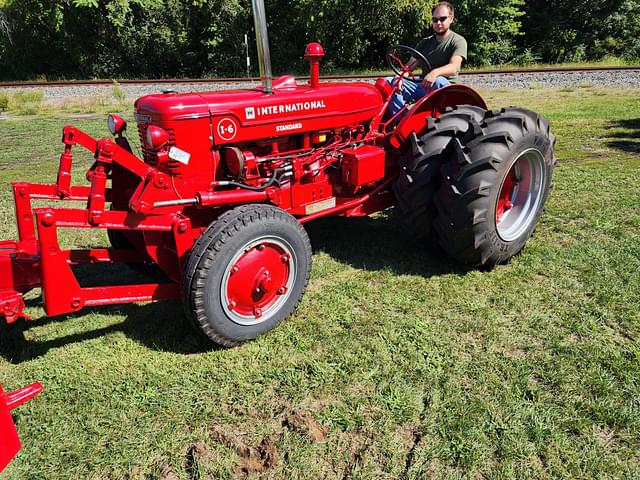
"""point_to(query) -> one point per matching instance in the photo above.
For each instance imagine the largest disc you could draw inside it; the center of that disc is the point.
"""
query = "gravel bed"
(613, 79)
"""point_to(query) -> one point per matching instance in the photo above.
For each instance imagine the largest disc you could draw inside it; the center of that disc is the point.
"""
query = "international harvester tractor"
(227, 179)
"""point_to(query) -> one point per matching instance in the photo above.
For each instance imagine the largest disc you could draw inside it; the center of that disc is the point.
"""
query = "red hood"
(330, 99)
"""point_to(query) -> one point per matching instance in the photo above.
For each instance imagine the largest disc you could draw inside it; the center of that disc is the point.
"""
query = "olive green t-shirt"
(439, 53)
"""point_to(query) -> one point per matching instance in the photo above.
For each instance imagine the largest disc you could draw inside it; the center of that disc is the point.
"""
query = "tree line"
(173, 38)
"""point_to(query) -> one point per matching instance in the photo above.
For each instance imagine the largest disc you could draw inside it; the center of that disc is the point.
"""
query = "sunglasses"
(439, 19)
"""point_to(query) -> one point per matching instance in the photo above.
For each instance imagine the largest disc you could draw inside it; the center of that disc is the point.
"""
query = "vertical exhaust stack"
(262, 41)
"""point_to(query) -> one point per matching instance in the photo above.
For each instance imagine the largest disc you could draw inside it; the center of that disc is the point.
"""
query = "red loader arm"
(9, 440)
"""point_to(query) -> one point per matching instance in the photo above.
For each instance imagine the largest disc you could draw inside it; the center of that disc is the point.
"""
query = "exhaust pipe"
(262, 41)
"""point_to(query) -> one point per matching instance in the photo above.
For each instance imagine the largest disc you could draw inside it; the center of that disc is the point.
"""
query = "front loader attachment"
(9, 440)
(155, 213)
(36, 259)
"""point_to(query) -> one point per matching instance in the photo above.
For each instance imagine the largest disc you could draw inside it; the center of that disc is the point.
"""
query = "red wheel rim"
(520, 197)
(258, 280)
(506, 194)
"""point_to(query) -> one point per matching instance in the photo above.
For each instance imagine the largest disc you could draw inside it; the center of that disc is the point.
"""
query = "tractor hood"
(244, 115)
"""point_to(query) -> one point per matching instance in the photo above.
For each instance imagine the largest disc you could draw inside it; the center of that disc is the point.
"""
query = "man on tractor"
(440, 56)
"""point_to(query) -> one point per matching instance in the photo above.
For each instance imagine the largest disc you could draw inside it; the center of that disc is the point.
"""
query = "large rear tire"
(420, 166)
(494, 187)
(246, 273)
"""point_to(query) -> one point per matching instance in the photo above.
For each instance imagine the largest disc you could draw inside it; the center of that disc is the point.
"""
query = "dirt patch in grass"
(251, 459)
(167, 474)
(605, 435)
(257, 459)
(200, 452)
(307, 425)
(229, 440)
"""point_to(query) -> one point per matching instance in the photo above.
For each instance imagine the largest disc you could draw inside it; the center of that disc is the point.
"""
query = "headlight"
(116, 124)
(156, 137)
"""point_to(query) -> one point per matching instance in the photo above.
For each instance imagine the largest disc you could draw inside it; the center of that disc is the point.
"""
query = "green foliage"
(624, 31)
(354, 34)
(578, 30)
(4, 102)
(526, 57)
(169, 38)
(491, 28)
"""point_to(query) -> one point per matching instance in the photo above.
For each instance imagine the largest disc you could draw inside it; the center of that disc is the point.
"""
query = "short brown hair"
(443, 4)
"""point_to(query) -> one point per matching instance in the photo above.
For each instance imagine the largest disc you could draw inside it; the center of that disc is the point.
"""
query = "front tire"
(246, 273)
(494, 187)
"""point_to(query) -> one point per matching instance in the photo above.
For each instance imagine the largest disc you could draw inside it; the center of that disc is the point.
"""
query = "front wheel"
(495, 184)
(246, 273)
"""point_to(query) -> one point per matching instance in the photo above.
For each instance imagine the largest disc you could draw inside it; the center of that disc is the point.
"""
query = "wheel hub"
(258, 280)
(520, 195)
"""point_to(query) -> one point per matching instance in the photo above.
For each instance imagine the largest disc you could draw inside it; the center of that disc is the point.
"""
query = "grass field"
(397, 364)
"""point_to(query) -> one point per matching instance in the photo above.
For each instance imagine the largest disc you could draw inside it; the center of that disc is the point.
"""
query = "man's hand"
(400, 82)
(429, 80)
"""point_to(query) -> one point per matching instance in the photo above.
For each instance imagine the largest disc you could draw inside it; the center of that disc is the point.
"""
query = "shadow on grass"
(365, 243)
(160, 326)
(627, 141)
(379, 243)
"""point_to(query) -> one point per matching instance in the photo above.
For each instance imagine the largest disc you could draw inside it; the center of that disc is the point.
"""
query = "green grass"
(32, 102)
(398, 362)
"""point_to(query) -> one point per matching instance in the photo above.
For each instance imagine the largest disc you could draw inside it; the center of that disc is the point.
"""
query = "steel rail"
(231, 80)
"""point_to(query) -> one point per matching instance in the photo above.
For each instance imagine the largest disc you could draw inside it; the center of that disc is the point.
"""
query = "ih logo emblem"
(250, 113)
(227, 128)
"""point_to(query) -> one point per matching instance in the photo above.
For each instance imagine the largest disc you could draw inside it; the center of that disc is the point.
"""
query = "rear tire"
(246, 273)
(420, 165)
(495, 184)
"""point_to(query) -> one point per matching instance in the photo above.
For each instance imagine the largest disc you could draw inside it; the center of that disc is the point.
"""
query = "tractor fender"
(432, 105)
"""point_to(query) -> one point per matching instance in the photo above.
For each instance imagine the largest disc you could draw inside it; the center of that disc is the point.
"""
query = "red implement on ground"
(217, 198)
(9, 440)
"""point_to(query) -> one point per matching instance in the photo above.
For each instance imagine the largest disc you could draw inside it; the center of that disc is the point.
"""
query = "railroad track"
(232, 80)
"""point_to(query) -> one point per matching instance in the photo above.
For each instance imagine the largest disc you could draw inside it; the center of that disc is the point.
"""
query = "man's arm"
(449, 70)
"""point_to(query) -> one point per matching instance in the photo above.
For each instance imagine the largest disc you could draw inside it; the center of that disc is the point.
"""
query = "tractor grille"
(150, 156)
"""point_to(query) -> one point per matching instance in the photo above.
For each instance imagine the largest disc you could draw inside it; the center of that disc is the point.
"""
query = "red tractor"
(228, 178)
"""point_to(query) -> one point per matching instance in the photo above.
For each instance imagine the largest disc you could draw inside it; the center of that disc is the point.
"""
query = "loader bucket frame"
(36, 258)
(10, 444)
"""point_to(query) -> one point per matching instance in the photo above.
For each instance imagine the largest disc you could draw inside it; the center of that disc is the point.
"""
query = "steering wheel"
(395, 57)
